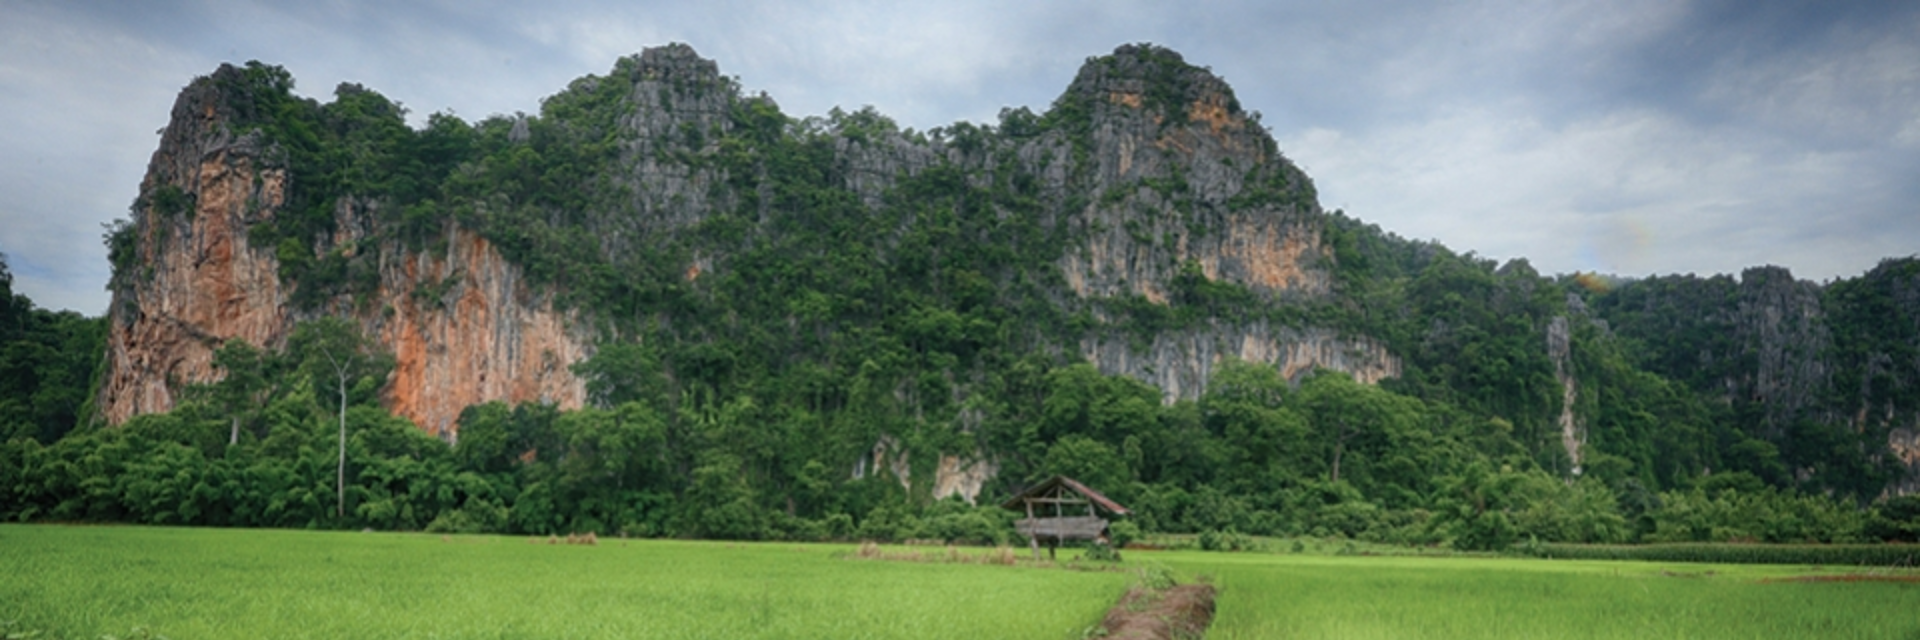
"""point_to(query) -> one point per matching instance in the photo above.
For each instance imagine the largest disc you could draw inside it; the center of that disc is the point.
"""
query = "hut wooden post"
(1033, 539)
(1053, 543)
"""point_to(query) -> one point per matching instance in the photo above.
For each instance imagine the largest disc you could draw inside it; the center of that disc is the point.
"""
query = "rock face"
(1782, 321)
(1184, 178)
(1785, 354)
(198, 282)
(1560, 351)
(463, 325)
(1181, 363)
(1180, 172)
(1162, 175)
(1877, 328)
(483, 337)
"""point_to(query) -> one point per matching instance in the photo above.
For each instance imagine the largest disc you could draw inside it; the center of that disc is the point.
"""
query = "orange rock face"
(206, 285)
(463, 325)
(484, 338)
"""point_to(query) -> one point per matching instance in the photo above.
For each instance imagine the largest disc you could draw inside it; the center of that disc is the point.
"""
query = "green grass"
(1303, 596)
(83, 582)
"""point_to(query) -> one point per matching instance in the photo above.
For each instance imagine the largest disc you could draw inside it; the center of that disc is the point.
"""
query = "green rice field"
(88, 582)
(1301, 596)
(85, 582)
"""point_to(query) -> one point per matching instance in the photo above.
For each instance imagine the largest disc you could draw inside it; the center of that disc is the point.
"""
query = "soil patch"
(1181, 612)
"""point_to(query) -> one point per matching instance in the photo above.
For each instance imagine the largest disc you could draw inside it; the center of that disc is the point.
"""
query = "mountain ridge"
(1144, 223)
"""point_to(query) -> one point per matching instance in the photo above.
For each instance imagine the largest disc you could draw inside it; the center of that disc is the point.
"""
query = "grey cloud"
(1634, 135)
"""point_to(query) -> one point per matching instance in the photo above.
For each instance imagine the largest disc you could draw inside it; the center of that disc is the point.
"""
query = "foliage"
(48, 362)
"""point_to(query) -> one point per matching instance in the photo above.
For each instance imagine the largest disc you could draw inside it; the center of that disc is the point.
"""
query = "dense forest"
(846, 332)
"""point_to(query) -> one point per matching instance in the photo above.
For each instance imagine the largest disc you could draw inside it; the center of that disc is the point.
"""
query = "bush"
(971, 527)
(476, 516)
(1102, 553)
(1225, 540)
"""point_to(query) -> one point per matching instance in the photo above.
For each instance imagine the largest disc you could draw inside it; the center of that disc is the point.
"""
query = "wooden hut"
(1061, 509)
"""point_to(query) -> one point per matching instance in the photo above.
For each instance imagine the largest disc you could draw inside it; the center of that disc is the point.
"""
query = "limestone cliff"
(1815, 369)
(1147, 165)
(841, 269)
(461, 321)
(1560, 351)
(1181, 363)
(197, 281)
(1182, 174)
(466, 329)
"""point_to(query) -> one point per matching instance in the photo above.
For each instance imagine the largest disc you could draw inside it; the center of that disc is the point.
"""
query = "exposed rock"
(964, 478)
(888, 455)
(465, 329)
(1905, 443)
(954, 476)
(1166, 178)
(483, 337)
(1181, 363)
(198, 281)
(1560, 350)
(1781, 321)
(1768, 346)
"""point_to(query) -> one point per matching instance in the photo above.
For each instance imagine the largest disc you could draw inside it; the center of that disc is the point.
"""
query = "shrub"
(1102, 553)
(1225, 540)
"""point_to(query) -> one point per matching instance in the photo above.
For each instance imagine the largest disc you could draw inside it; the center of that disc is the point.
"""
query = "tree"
(334, 354)
(238, 392)
(622, 372)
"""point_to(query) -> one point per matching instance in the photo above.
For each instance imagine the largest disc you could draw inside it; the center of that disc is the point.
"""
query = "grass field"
(83, 582)
(1303, 596)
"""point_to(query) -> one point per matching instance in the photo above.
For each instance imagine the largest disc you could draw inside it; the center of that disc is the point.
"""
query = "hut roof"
(1054, 486)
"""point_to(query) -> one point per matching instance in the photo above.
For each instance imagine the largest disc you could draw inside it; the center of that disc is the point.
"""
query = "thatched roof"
(1055, 486)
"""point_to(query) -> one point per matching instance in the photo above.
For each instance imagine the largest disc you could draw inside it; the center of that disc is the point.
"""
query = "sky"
(1629, 137)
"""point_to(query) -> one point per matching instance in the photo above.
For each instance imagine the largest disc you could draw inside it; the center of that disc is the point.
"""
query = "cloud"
(1633, 192)
(73, 157)
(1635, 136)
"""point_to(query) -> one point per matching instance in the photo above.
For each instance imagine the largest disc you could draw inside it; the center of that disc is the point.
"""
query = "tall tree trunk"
(340, 481)
(234, 437)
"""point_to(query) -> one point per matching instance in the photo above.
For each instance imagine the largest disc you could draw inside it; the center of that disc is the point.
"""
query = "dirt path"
(1182, 612)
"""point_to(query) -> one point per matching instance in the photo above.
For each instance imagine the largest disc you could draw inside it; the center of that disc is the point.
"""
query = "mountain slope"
(869, 297)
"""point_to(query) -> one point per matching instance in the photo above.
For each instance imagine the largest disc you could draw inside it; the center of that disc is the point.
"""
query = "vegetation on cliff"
(807, 325)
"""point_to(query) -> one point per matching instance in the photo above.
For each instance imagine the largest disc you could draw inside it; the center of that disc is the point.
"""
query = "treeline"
(1254, 455)
(47, 365)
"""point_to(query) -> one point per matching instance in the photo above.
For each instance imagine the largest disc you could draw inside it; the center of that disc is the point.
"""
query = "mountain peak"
(670, 62)
(1156, 81)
